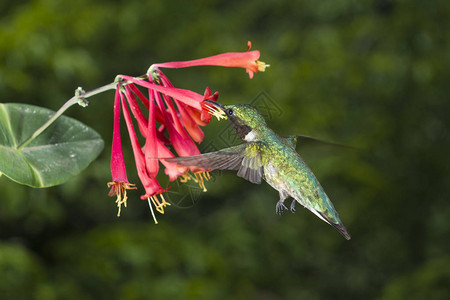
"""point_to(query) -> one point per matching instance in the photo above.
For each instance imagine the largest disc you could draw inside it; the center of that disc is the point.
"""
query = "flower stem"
(80, 98)
(63, 108)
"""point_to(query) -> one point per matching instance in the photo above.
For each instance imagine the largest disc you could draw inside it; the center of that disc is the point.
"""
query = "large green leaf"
(62, 151)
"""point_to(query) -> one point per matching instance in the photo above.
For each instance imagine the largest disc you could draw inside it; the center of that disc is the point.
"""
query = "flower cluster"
(171, 118)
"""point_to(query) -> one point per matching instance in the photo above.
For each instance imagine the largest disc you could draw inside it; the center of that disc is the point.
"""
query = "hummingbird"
(264, 155)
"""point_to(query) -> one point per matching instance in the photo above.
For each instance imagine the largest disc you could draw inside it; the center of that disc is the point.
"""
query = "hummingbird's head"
(245, 119)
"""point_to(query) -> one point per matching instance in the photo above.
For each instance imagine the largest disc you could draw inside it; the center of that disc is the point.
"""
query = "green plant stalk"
(78, 98)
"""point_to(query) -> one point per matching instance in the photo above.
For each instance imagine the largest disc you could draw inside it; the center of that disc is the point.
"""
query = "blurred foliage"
(368, 73)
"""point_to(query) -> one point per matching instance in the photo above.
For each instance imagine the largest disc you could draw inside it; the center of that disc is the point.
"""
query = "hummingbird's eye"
(230, 112)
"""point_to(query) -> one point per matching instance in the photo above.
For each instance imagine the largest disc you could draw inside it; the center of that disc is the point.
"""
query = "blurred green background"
(369, 73)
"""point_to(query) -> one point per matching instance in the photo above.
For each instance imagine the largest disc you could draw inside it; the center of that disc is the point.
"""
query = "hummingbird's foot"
(280, 207)
(293, 205)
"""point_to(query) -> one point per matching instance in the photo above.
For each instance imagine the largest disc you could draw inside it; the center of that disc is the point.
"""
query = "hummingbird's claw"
(293, 205)
(280, 207)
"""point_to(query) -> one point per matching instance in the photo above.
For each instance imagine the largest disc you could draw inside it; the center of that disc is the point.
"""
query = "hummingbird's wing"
(292, 141)
(251, 165)
(245, 158)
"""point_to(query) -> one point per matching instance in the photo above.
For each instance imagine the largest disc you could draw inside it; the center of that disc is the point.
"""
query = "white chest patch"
(250, 137)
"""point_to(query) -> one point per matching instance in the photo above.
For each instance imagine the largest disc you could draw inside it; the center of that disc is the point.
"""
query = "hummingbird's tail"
(339, 226)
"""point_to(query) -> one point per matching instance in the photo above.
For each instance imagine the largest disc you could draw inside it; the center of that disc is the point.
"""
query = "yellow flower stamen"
(185, 178)
(214, 111)
(198, 177)
(164, 202)
(200, 181)
(119, 189)
(262, 65)
(158, 205)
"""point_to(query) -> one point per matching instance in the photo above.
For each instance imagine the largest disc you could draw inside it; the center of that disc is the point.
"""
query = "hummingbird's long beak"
(215, 108)
(215, 104)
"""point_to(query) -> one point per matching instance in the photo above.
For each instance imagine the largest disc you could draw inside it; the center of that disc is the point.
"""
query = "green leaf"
(62, 151)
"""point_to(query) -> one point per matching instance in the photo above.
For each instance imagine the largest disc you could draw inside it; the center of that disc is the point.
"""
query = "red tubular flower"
(119, 183)
(179, 113)
(188, 97)
(186, 119)
(196, 116)
(137, 113)
(151, 150)
(179, 139)
(174, 117)
(206, 113)
(151, 185)
(146, 102)
(189, 123)
(183, 146)
(247, 60)
(172, 169)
